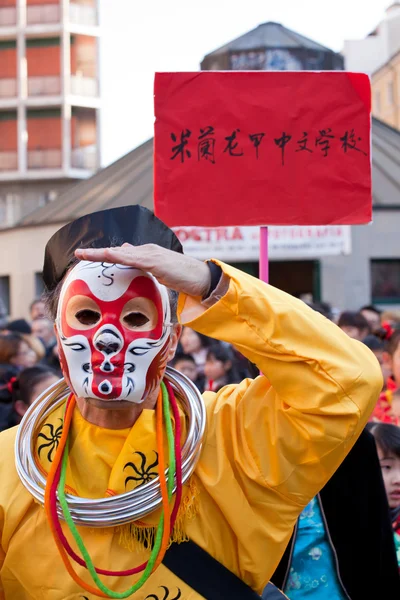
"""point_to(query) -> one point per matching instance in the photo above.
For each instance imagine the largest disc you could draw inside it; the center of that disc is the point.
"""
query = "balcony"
(84, 158)
(44, 159)
(44, 86)
(81, 14)
(8, 88)
(8, 16)
(83, 86)
(8, 161)
(43, 13)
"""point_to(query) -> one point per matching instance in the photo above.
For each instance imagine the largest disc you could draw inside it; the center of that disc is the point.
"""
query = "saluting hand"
(172, 269)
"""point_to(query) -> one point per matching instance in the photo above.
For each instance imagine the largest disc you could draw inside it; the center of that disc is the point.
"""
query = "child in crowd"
(373, 316)
(185, 364)
(197, 345)
(220, 368)
(342, 547)
(37, 309)
(18, 389)
(383, 409)
(29, 385)
(7, 374)
(17, 351)
(395, 406)
(354, 324)
(16, 326)
(377, 346)
(387, 439)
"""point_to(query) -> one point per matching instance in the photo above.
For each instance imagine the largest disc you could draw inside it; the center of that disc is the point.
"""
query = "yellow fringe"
(135, 537)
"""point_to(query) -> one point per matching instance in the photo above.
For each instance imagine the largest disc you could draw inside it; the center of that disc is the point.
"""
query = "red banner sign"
(262, 148)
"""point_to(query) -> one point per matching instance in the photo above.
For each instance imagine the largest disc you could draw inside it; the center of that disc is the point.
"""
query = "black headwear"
(112, 227)
(18, 326)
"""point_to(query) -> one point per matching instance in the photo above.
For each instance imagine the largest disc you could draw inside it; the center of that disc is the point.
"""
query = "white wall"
(371, 53)
(346, 280)
(365, 56)
(391, 30)
(21, 256)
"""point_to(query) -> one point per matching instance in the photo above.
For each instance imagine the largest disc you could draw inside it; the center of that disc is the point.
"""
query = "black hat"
(19, 326)
(112, 227)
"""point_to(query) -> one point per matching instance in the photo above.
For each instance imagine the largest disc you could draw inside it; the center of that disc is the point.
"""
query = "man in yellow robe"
(270, 445)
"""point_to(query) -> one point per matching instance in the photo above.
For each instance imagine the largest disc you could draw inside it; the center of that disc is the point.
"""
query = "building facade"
(386, 92)
(329, 264)
(49, 101)
(379, 56)
(272, 47)
(369, 54)
(323, 263)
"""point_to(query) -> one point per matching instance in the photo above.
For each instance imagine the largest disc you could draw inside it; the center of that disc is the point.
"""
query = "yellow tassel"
(136, 537)
(190, 505)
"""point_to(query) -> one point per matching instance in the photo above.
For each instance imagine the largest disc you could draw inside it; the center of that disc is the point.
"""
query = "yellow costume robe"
(271, 444)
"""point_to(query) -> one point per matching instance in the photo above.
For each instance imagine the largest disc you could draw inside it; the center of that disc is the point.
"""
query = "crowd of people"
(29, 364)
(211, 365)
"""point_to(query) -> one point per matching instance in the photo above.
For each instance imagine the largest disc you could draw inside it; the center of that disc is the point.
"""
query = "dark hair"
(182, 356)
(206, 341)
(23, 386)
(393, 342)
(51, 297)
(9, 346)
(323, 308)
(18, 326)
(371, 308)
(8, 374)
(387, 437)
(220, 352)
(225, 354)
(353, 319)
(373, 342)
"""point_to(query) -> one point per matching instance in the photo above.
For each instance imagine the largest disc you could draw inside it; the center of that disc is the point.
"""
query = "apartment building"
(49, 101)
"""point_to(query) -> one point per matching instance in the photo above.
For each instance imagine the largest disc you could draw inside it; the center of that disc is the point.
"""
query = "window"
(4, 296)
(7, 44)
(385, 281)
(42, 42)
(46, 113)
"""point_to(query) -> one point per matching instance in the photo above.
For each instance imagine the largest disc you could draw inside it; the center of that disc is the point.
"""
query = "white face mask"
(114, 327)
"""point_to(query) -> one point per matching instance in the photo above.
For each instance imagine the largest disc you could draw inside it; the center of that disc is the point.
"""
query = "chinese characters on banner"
(240, 148)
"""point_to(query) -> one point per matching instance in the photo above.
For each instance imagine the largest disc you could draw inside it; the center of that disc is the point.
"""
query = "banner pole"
(264, 266)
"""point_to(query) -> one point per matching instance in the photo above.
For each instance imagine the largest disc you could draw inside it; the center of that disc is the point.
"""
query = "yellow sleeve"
(290, 428)
(2, 553)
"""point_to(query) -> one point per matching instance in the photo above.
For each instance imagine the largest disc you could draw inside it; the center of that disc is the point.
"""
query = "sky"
(140, 37)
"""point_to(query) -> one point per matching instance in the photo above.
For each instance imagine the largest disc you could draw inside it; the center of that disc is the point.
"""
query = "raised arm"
(298, 420)
(302, 416)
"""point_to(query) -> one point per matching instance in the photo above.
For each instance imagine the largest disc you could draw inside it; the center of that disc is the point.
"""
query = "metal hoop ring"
(123, 508)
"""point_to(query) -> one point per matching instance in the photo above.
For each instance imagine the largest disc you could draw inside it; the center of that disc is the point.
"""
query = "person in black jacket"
(357, 522)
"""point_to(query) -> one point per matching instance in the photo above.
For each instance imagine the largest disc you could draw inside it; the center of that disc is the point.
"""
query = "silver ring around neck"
(123, 508)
